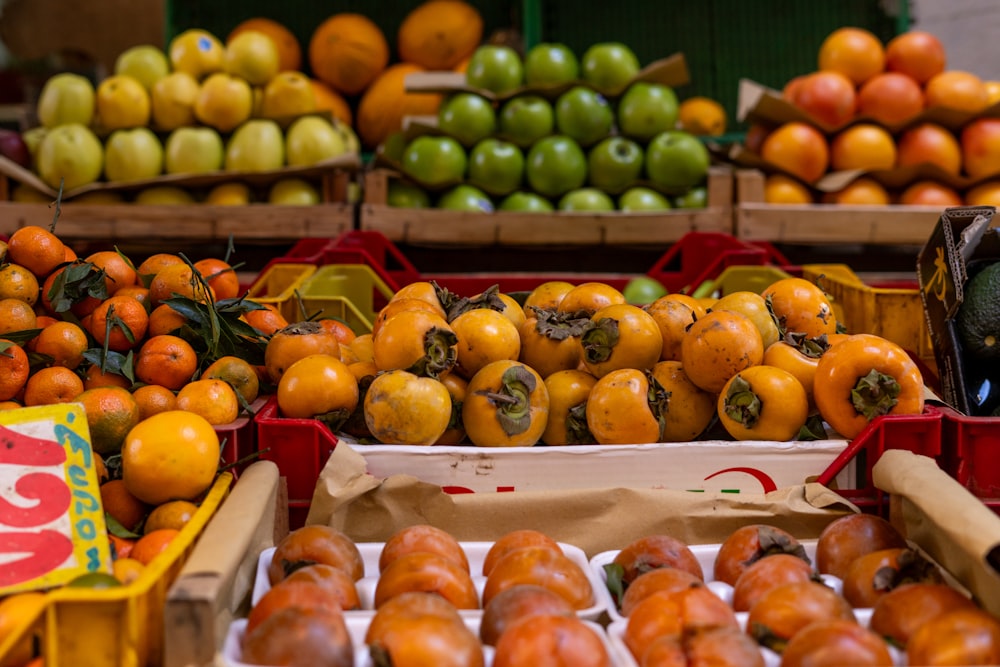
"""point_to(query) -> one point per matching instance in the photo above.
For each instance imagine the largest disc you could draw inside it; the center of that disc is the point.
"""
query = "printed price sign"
(51, 521)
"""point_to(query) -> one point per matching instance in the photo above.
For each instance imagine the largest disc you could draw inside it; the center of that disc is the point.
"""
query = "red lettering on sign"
(762, 477)
(456, 489)
(21, 449)
(50, 492)
(45, 551)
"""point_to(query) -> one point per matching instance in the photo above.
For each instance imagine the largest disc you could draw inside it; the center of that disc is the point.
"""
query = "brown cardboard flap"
(670, 71)
(370, 509)
(350, 161)
(949, 523)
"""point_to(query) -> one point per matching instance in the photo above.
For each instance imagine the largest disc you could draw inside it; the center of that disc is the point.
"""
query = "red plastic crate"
(972, 454)
(239, 439)
(920, 434)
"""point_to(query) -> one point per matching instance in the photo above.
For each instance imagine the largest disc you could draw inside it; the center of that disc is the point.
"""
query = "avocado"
(978, 318)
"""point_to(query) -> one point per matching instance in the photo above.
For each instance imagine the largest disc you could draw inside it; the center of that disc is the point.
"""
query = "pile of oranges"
(868, 102)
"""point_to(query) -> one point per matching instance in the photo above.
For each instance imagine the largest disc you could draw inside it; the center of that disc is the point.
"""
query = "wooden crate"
(459, 228)
(825, 223)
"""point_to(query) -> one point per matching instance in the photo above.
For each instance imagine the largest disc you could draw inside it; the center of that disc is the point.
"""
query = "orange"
(220, 276)
(176, 280)
(95, 378)
(37, 249)
(137, 292)
(126, 570)
(41, 321)
(152, 264)
(151, 545)
(121, 322)
(829, 97)
(101, 467)
(14, 369)
(166, 360)
(10, 405)
(215, 400)
(125, 508)
(121, 547)
(16, 315)
(854, 52)
(863, 146)
(781, 189)
(702, 116)
(65, 342)
(890, 98)
(164, 319)
(329, 100)
(266, 320)
(799, 149)
(288, 345)
(238, 373)
(173, 514)
(930, 193)
(863, 191)
(52, 385)
(347, 51)
(81, 307)
(917, 54)
(17, 282)
(154, 398)
(118, 271)
(929, 143)
(172, 455)
(16, 610)
(111, 413)
(289, 50)
(984, 194)
(956, 89)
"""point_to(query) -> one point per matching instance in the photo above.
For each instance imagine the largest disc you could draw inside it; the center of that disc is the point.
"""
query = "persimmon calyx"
(875, 394)
(658, 400)
(600, 339)
(742, 405)
(512, 400)
(559, 326)
(440, 354)
(577, 431)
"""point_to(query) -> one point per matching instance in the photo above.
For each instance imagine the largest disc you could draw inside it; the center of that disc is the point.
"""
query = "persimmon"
(428, 572)
(507, 404)
(568, 394)
(407, 409)
(718, 346)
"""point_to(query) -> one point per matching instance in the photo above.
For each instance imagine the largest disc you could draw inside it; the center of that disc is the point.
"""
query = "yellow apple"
(286, 96)
(25, 194)
(71, 154)
(257, 145)
(122, 102)
(229, 194)
(172, 100)
(293, 192)
(132, 155)
(312, 139)
(224, 102)
(197, 52)
(253, 56)
(161, 195)
(66, 98)
(145, 63)
(193, 150)
(33, 139)
(101, 197)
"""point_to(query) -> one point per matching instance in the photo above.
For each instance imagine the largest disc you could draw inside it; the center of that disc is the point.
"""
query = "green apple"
(496, 166)
(145, 63)
(642, 290)
(555, 165)
(550, 64)
(256, 145)
(71, 154)
(609, 66)
(646, 109)
(393, 147)
(466, 198)
(584, 114)
(293, 192)
(526, 202)
(643, 199)
(696, 197)
(586, 199)
(676, 160)
(525, 119)
(66, 98)
(468, 117)
(312, 139)
(434, 161)
(193, 150)
(132, 155)
(407, 195)
(495, 68)
(614, 164)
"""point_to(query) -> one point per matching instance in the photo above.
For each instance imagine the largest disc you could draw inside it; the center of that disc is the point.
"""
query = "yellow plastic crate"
(277, 286)
(116, 627)
(349, 292)
(740, 279)
(893, 313)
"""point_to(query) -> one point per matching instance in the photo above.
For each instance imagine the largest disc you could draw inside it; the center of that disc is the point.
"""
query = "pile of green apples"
(551, 131)
(193, 110)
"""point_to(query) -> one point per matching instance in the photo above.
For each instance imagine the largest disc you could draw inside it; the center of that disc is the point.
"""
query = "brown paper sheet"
(369, 509)
(948, 522)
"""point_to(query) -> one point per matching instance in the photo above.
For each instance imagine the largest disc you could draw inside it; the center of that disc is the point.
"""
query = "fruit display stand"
(123, 626)
(825, 223)
(506, 228)
(252, 223)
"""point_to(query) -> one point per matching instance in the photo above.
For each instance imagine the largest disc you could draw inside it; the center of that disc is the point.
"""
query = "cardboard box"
(964, 240)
